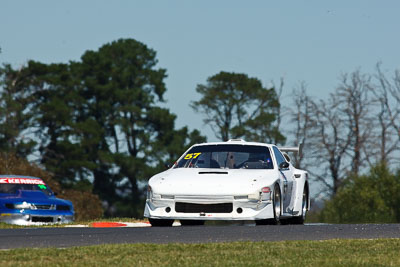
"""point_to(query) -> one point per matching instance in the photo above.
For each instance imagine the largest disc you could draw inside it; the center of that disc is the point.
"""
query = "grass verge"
(378, 252)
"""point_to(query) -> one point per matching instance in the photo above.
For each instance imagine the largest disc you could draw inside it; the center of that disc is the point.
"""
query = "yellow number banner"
(192, 155)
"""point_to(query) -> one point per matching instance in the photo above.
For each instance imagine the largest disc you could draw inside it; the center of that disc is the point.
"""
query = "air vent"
(42, 207)
(213, 172)
(207, 208)
(9, 206)
(167, 196)
(42, 219)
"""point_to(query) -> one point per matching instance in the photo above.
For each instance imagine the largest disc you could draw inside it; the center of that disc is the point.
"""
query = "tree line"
(97, 124)
(354, 129)
(352, 144)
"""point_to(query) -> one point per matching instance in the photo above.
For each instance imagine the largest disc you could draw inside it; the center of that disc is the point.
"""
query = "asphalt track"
(84, 236)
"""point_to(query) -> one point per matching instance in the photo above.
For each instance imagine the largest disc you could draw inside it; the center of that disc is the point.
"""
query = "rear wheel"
(276, 203)
(161, 222)
(191, 222)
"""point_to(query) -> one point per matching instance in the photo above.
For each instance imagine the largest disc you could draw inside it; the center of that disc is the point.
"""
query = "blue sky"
(311, 41)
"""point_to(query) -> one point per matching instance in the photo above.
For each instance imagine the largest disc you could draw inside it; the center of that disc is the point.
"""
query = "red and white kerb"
(20, 181)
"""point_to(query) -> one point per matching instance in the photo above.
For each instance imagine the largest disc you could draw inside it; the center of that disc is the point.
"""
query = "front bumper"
(36, 219)
(244, 209)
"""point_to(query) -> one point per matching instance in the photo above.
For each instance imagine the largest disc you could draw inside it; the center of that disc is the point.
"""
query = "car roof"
(18, 176)
(236, 142)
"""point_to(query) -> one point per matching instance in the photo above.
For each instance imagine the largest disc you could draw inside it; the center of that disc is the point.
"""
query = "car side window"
(278, 156)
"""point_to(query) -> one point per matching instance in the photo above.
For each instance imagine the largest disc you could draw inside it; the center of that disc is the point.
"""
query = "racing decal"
(192, 155)
(42, 186)
(21, 181)
(285, 184)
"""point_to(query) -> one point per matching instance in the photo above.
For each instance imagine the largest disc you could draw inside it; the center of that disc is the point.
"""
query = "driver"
(230, 160)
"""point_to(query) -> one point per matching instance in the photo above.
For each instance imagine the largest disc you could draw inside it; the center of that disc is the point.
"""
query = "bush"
(87, 205)
(371, 198)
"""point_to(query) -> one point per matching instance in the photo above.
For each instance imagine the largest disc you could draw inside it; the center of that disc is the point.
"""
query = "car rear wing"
(296, 149)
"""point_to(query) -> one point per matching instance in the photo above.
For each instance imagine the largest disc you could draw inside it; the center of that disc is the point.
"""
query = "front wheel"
(276, 203)
(161, 222)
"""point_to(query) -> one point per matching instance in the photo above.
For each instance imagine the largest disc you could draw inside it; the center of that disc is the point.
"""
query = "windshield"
(11, 188)
(227, 157)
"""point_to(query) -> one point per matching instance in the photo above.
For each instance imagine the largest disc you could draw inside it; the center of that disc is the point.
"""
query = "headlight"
(24, 205)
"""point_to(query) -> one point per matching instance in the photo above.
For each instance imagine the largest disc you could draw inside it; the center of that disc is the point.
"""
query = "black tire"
(161, 222)
(277, 207)
(191, 222)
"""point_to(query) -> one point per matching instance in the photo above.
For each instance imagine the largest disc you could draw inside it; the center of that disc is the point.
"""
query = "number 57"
(192, 155)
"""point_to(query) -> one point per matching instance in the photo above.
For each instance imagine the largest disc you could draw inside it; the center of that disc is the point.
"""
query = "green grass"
(379, 252)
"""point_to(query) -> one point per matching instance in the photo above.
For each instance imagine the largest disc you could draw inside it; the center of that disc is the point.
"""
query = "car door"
(287, 177)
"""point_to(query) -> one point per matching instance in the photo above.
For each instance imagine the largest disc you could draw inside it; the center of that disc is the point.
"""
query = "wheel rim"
(304, 204)
(277, 203)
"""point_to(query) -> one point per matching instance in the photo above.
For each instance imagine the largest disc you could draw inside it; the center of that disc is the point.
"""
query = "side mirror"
(283, 165)
(286, 156)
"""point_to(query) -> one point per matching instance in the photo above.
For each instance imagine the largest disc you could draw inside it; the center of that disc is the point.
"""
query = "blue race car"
(26, 200)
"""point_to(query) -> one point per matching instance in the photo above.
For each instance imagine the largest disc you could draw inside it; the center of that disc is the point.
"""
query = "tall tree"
(15, 118)
(100, 120)
(387, 95)
(236, 106)
(336, 132)
(54, 109)
(355, 103)
(301, 116)
(122, 87)
(332, 141)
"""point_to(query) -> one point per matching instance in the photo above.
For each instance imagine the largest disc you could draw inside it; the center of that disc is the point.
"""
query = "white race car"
(233, 180)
